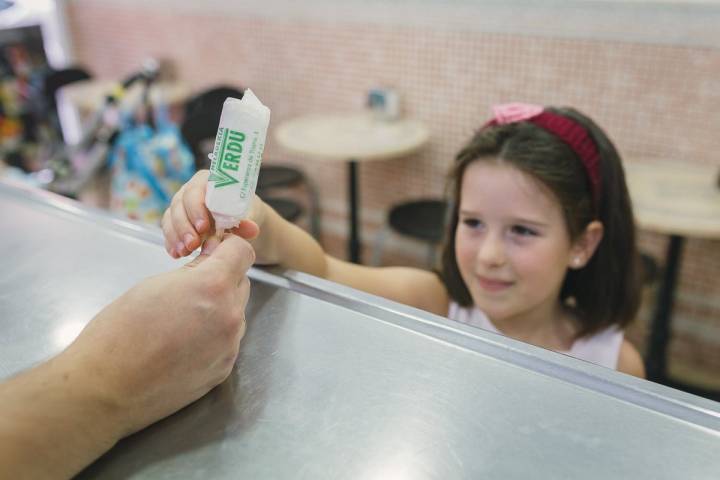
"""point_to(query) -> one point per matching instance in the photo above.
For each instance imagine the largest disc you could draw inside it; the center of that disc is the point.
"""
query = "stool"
(649, 270)
(201, 119)
(57, 79)
(54, 81)
(211, 100)
(277, 176)
(282, 176)
(287, 209)
(422, 220)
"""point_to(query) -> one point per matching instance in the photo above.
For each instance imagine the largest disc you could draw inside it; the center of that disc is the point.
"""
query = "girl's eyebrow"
(537, 223)
(525, 221)
(534, 223)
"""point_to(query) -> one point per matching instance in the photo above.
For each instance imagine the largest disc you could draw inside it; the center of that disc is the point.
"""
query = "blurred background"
(647, 71)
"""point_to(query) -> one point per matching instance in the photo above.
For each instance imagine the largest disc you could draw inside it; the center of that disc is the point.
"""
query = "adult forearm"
(52, 423)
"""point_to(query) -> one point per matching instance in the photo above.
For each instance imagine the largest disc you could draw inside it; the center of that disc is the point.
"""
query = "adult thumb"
(233, 255)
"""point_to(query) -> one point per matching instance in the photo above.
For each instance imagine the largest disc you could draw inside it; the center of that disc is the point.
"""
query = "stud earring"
(577, 261)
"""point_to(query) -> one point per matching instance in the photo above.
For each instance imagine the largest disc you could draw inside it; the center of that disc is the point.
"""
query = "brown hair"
(607, 290)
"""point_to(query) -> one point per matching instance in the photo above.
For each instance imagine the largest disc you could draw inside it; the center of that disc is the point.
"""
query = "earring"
(577, 261)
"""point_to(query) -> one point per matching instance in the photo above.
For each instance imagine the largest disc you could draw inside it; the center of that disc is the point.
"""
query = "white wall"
(676, 22)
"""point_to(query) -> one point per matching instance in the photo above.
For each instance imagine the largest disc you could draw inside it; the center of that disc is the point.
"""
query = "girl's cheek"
(465, 252)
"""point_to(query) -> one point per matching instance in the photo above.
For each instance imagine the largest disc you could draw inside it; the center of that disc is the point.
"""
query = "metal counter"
(333, 383)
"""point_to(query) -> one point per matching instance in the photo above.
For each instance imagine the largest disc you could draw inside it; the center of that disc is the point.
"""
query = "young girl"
(540, 244)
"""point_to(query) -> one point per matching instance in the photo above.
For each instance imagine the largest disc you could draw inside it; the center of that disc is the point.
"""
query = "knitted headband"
(570, 132)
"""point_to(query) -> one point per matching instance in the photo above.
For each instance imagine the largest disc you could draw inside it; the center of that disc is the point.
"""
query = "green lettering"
(237, 136)
(230, 153)
(234, 147)
(231, 157)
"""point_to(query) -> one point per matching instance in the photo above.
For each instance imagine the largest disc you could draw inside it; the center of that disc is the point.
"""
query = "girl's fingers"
(186, 239)
(247, 230)
(194, 203)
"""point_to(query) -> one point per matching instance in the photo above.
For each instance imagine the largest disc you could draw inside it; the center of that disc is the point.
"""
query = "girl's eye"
(471, 222)
(523, 231)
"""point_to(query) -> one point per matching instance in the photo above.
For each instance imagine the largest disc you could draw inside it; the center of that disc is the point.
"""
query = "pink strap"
(566, 129)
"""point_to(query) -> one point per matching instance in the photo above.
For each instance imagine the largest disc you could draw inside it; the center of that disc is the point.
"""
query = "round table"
(679, 200)
(351, 138)
(676, 198)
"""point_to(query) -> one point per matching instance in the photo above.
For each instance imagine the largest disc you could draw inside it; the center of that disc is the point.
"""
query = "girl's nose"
(491, 251)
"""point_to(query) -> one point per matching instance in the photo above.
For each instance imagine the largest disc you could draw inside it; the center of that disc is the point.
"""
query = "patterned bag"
(148, 167)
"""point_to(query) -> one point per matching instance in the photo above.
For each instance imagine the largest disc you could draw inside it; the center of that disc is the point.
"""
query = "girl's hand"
(187, 223)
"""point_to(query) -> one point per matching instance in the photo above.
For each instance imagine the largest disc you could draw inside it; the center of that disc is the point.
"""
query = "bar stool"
(649, 270)
(283, 176)
(422, 219)
(57, 79)
(54, 81)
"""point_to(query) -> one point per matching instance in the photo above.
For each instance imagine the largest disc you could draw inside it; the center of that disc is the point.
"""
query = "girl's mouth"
(493, 285)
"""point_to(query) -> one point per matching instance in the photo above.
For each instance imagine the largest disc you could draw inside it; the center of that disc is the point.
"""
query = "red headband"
(567, 130)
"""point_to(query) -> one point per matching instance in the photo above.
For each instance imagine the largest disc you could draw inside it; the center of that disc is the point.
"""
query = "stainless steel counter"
(333, 383)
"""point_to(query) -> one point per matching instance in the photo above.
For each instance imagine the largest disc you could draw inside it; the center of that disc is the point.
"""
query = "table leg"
(659, 338)
(656, 362)
(353, 192)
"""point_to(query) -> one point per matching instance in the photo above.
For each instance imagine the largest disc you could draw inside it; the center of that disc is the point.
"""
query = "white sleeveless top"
(602, 348)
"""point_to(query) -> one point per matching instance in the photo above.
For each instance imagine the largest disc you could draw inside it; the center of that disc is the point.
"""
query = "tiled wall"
(655, 101)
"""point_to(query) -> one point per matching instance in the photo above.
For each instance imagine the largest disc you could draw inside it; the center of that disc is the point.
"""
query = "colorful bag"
(148, 167)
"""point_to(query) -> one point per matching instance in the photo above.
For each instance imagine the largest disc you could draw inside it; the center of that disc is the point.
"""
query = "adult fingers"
(233, 256)
(211, 243)
(244, 293)
(208, 246)
(171, 238)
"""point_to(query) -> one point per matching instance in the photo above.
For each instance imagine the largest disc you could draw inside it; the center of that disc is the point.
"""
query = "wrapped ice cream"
(236, 158)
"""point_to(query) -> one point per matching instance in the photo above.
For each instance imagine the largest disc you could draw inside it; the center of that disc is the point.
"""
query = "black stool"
(282, 176)
(201, 119)
(287, 209)
(57, 79)
(278, 176)
(422, 220)
(649, 270)
(54, 81)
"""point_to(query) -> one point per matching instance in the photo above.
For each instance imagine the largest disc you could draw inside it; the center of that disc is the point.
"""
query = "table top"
(334, 383)
(351, 136)
(675, 198)
(89, 95)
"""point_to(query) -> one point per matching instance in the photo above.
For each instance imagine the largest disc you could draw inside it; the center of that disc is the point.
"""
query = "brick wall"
(657, 101)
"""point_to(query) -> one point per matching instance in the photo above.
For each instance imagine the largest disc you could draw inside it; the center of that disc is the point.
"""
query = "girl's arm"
(283, 243)
(630, 361)
(286, 244)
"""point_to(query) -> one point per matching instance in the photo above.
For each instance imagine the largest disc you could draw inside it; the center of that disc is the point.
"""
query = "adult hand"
(163, 344)
(170, 339)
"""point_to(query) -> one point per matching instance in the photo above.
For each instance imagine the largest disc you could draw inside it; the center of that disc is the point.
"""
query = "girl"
(540, 244)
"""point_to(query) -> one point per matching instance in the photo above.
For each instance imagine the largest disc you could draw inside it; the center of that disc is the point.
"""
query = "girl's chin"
(491, 309)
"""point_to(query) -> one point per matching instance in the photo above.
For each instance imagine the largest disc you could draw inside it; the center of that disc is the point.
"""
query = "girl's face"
(512, 244)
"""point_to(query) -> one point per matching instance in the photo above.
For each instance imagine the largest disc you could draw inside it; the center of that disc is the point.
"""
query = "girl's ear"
(584, 247)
